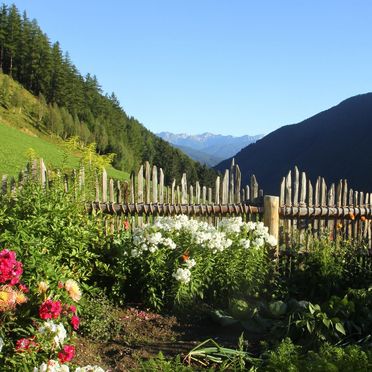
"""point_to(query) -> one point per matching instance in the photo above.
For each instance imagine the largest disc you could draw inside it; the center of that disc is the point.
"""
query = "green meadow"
(16, 146)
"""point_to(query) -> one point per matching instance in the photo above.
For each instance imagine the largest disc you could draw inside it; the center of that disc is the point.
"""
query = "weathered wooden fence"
(303, 210)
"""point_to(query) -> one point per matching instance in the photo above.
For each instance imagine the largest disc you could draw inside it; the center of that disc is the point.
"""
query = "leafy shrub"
(52, 234)
(99, 319)
(180, 262)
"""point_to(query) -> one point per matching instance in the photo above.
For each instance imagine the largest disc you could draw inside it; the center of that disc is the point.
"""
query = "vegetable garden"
(64, 282)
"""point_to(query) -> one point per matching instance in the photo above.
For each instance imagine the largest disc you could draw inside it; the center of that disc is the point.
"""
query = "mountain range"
(208, 148)
(334, 144)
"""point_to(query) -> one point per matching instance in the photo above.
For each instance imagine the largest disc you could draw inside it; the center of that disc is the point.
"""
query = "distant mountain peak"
(208, 148)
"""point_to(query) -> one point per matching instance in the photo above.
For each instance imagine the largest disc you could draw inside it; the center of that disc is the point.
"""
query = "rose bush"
(38, 329)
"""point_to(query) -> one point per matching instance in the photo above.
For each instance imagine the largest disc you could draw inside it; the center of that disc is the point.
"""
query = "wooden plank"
(197, 189)
(96, 187)
(140, 196)
(254, 187)
(331, 203)
(173, 196)
(296, 186)
(43, 174)
(191, 194)
(204, 195)
(132, 187)
(351, 222)
(210, 201)
(232, 182)
(154, 184)
(344, 194)
(295, 221)
(217, 190)
(161, 186)
(81, 178)
(238, 183)
(247, 193)
(184, 189)
(282, 193)
(303, 189)
(111, 191)
(147, 182)
(288, 202)
(178, 195)
(288, 190)
(310, 197)
(271, 217)
(225, 187)
(104, 186)
(119, 193)
(339, 194)
(126, 193)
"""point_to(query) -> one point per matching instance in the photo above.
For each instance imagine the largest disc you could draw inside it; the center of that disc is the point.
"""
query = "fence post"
(271, 217)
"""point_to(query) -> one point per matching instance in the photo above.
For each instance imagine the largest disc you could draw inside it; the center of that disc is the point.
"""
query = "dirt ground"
(145, 334)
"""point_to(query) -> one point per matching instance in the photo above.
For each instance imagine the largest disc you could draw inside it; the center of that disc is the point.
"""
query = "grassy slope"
(18, 135)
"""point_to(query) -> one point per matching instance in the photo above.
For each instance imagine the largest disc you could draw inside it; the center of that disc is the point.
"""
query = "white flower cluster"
(1, 344)
(57, 331)
(182, 275)
(260, 235)
(230, 224)
(149, 239)
(54, 366)
(257, 231)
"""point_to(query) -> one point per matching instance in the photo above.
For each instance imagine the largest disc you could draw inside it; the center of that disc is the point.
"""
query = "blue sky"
(224, 66)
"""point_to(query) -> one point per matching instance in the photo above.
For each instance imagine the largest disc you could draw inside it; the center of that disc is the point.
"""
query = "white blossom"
(1, 344)
(182, 275)
(169, 243)
(135, 253)
(57, 330)
(190, 263)
(52, 366)
(154, 238)
(272, 241)
(245, 243)
(89, 368)
(258, 242)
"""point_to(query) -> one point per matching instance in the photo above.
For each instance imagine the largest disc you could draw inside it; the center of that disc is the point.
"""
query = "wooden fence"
(302, 209)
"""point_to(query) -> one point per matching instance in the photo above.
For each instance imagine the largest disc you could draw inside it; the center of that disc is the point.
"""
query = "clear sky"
(222, 66)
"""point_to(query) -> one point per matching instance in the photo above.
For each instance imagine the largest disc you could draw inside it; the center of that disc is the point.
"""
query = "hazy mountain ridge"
(334, 144)
(207, 147)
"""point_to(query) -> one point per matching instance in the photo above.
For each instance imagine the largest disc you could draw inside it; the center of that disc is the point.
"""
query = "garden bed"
(145, 334)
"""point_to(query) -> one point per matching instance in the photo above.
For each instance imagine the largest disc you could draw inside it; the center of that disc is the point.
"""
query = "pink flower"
(72, 308)
(75, 322)
(50, 309)
(24, 344)
(66, 354)
(10, 268)
(23, 288)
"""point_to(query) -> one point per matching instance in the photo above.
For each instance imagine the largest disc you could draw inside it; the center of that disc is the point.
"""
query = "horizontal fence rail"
(173, 209)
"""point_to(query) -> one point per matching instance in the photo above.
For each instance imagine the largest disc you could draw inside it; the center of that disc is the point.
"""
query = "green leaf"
(340, 328)
(223, 318)
(278, 308)
(326, 322)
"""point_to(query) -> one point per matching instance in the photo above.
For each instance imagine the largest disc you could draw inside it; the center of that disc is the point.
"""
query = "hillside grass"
(20, 136)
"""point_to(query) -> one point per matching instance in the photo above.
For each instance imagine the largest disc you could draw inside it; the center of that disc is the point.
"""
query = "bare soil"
(145, 334)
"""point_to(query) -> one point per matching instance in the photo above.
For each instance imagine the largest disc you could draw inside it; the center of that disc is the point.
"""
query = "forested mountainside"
(334, 144)
(76, 104)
